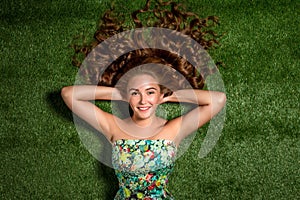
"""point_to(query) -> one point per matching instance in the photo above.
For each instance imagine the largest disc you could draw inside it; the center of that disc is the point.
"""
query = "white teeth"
(146, 108)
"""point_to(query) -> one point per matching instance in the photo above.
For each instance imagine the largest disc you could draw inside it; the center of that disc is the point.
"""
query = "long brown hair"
(168, 15)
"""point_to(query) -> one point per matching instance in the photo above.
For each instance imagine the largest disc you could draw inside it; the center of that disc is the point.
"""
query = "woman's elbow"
(219, 99)
(222, 99)
(66, 92)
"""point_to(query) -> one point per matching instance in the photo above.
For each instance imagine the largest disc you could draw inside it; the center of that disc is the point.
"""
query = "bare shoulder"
(171, 128)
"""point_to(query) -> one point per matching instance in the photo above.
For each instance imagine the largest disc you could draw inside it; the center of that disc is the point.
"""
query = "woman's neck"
(144, 123)
(142, 128)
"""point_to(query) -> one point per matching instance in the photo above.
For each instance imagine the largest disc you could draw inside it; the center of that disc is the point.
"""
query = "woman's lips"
(144, 108)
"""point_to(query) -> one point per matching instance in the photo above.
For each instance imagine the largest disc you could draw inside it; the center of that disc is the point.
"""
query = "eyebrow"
(133, 89)
(151, 88)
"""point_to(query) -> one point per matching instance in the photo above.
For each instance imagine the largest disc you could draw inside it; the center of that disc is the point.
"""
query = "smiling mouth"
(143, 108)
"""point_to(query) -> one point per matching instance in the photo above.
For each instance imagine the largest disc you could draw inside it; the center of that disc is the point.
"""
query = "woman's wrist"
(107, 93)
(185, 95)
(116, 95)
(196, 96)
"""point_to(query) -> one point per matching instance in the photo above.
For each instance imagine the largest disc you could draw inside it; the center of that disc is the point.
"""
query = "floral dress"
(142, 168)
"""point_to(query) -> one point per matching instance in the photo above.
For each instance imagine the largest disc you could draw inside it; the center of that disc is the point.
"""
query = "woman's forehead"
(141, 81)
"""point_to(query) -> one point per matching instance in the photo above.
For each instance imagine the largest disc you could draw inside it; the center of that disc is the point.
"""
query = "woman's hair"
(164, 76)
(161, 15)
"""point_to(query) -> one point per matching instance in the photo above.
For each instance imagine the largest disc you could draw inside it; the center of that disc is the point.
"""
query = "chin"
(143, 116)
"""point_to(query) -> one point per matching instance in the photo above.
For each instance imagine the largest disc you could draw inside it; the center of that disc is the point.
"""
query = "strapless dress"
(143, 167)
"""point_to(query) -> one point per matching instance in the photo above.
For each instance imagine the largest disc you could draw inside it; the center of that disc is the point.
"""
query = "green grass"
(257, 156)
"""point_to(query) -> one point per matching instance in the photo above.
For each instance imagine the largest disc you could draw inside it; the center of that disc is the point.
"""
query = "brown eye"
(151, 92)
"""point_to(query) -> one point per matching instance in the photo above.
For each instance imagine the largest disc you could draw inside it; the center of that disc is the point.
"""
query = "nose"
(143, 98)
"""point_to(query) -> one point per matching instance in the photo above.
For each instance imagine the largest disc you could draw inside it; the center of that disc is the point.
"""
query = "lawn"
(256, 157)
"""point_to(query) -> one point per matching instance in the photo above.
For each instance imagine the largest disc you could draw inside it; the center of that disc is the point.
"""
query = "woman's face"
(143, 96)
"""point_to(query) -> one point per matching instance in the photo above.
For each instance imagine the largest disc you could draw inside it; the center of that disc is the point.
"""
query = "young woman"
(144, 145)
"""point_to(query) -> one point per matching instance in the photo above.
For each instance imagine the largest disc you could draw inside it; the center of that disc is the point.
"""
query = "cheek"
(155, 100)
(133, 100)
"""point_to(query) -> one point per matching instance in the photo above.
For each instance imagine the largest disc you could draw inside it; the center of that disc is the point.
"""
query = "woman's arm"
(213, 99)
(209, 104)
(78, 98)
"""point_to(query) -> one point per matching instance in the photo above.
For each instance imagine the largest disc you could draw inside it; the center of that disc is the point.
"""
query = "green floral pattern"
(142, 168)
